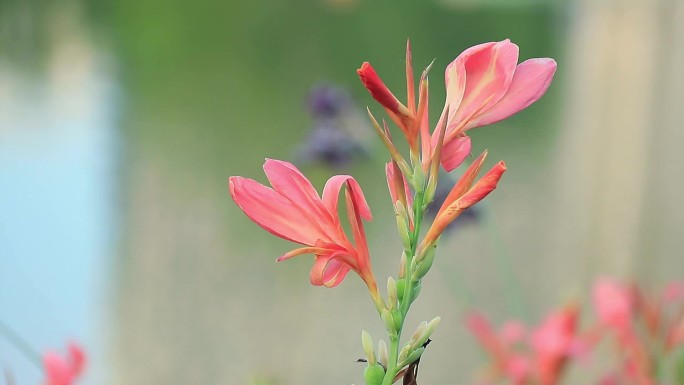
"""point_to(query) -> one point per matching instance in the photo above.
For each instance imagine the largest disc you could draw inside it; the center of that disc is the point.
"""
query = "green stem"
(21, 344)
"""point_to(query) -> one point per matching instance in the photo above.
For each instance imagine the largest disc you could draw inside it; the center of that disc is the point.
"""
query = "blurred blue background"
(120, 122)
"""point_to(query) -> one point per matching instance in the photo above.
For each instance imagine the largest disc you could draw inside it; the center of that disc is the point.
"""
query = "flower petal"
(57, 370)
(289, 182)
(328, 271)
(488, 71)
(379, 90)
(331, 193)
(273, 212)
(530, 81)
(454, 152)
(482, 188)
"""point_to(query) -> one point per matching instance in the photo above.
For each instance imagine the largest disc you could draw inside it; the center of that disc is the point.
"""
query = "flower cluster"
(646, 331)
(484, 84)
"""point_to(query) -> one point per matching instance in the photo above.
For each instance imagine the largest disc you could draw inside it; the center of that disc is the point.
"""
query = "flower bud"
(420, 330)
(401, 286)
(426, 332)
(386, 316)
(382, 353)
(413, 356)
(397, 318)
(391, 293)
(404, 234)
(367, 343)
(416, 290)
(374, 374)
(403, 353)
(418, 178)
(402, 268)
(424, 263)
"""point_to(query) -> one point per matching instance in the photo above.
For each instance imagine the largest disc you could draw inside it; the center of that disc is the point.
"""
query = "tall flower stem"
(21, 344)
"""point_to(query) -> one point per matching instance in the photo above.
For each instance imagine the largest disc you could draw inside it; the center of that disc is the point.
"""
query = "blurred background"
(120, 122)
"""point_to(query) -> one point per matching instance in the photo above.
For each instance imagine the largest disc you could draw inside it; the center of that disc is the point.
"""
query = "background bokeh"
(120, 122)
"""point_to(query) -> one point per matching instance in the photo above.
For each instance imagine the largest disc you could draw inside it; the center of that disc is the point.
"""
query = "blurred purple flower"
(331, 141)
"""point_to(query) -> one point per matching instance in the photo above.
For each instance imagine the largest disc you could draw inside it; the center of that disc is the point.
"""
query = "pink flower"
(293, 210)
(485, 85)
(64, 370)
(553, 342)
(613, 304)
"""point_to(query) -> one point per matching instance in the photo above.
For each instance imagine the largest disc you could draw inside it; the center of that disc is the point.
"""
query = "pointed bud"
(401, 287)
(402, 268)
(379, 90)
(418, 179)
(382, 353)
(413, 356)
(427, 332)
(374, 374)
(367, 344)
(391, 293)
(424, 265)
(416, 290)
(404, 233)
(418, 333)
(386, 316)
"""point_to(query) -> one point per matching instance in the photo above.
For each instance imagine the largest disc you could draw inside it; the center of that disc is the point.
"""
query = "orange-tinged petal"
(273, 212)
(530, 81)
(301, 251)
(482, 188)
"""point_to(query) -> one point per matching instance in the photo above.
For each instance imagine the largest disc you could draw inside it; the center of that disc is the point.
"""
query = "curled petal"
(300, 251)
(328, 271)
(530, 81)
(273, 212)
(331, 193)
(455, 152)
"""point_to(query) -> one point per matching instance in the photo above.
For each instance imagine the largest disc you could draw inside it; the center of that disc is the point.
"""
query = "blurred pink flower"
(293, 210)
(554, 342)
(613, 304)
(64, 370)
(485, 84)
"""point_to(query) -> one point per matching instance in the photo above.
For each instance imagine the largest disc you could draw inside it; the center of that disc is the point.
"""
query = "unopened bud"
(382, 353)
(367, 343)
(413, 356)
(401, 286)
(391, 293)
(397, 319)
(403, 353)
(402, 267)
(403, 230)
(418, 178)
(420, 330)
(389, 322)
(429, 328)
(424, 264)
(374, 374)
(416, 290)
